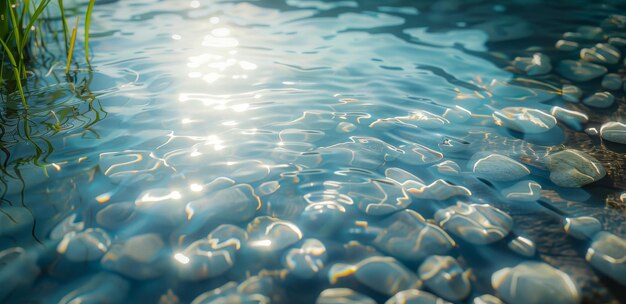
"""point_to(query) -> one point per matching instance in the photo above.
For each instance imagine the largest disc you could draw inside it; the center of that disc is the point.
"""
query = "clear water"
(313, 126)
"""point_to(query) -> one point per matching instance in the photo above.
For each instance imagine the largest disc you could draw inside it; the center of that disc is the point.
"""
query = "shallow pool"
(334, 151)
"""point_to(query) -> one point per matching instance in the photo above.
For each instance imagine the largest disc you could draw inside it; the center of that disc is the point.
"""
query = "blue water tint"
(299, 151)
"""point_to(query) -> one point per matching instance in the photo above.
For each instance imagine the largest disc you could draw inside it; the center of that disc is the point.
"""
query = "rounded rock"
(477, 224)
(534, 283)
(525, 120)
(444, 276)
(600, 100)
(607, 254)
(496, 167)
(614, 131)
(572, 168)
(612, 81)
(580, 71)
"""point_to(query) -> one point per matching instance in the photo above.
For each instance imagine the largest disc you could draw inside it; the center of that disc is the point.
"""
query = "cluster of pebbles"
(396, 238)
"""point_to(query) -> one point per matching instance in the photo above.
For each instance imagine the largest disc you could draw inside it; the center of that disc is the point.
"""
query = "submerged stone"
(444, 276)
(415, 296)
(66, 226)
(571, 93)
(100, 288)
(602, 53)
(583, 227)
(496, 167)
(115, 216)
(139, 257)
(385, 275)
(323, 218)
(566, 46)
(614, 131)
(308, 260)
(525, 120)
(585, 33)
(572, 168)
(88, 245)
(210, 257)
(448, 167)
(18, 269)
(612, 81)
(570, 118)
(342, 295)
(487, 299)
(272, 234)
(438, 190)
(163, 203)
(538, 64)
(523, 246)
(407, 236)
(378, 197)
(607, 254)
(534, 282)
(523, 191)
(477, 224)
(580, 71)
(600, 100)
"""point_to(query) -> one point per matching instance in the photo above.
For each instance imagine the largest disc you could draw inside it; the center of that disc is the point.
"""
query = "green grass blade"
(4, 20)
(16, 29)
(42, 5)
(72, 42)
(65, 28)
(87, 24)
(16, 71)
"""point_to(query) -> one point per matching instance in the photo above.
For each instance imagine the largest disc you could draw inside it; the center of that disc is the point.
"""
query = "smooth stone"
(571, 93)
(525, 120)
(614, 131)
(538, 64)
(115, 216)
(210, 257)
(66, 226)
(342, 296)
(445, 277)
(570, 118)
(583, 227)
(607, 254)
(585, 33)
(600, 100)
(448, 167)
(415, 296)
(407, 236)
(612, 81)
(523, 191)
(271, 234)
(523, 246)
(580, 71)
(308, 260)
(534, 283)
(614, 21)
(18, 269)
(566, 46)
(438, 190)
(601, 53)
(100, 288)
(592, 131)
(487, 299)
(232, 205)
(88, 245)
(617, 42)
(477, 224)
(139, 257)
(378, 197)
(572, 168)
(163, 203)
(496, 167)
(385, 275)
(401, 176)
(322, 218)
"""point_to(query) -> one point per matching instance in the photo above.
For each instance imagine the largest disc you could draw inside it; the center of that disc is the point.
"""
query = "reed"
(20, 26)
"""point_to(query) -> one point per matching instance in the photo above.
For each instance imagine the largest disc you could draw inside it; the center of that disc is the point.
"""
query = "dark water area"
(306, 151)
